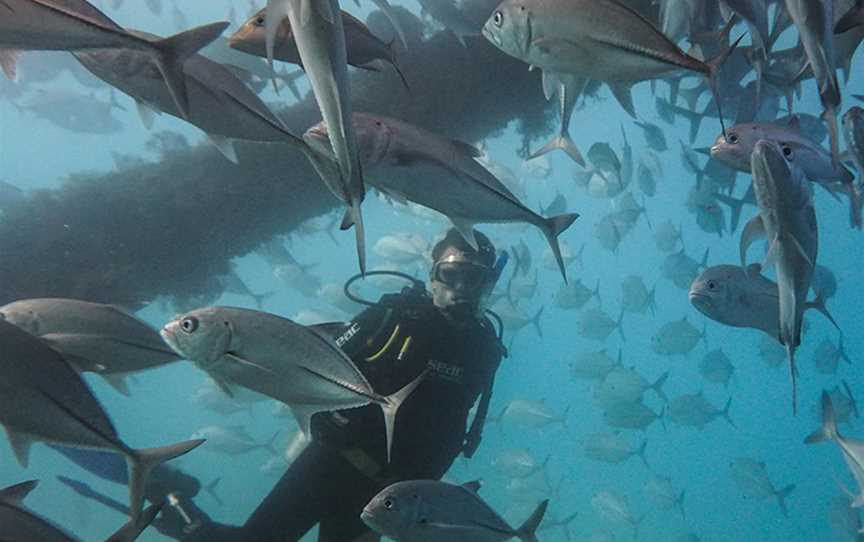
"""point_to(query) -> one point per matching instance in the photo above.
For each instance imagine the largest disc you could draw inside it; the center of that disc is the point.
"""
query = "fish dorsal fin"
(754, 269)
(755, 229)
(794, 123)
(15, 494)
(473, 486)
(225, 146)
(20, 445)
(146, 113)
(467, 148)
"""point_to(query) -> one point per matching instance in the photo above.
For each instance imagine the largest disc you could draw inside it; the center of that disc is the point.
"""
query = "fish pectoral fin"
(223, 385)
(225, 146)
(146, 113)
(621, 90)
(247, 363)
(118, 382)
(303, 415)
(324, 9)
(467, 148)
(20, 445)
(466, 228)
(755, 229)
(551, 83)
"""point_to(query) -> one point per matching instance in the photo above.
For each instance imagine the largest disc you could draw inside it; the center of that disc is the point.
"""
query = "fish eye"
(498, 19)
(787, 152)
(712, 285)
(189, 325)
(423, 521)
(732, 139)
(259, 21)
(388, 504)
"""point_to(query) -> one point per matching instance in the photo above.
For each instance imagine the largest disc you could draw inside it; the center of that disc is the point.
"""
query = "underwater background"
(165, 405)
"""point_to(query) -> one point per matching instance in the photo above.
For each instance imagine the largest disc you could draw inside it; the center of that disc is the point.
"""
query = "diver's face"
(458, 284)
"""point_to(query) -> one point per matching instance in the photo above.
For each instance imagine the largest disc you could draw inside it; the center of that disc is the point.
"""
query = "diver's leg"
(342, 523)
(297, 502)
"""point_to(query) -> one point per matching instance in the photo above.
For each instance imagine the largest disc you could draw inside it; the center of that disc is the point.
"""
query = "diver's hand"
(214, 532)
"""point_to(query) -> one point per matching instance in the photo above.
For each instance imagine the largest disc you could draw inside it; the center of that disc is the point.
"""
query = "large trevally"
(18, 523)
(409, 163)
(787, 218)
(603, 40)
(814, 20)
(427, 511)
(43, 398)
(280, 359)
(75, 25)
(93, 337)
(852, 449)
(740, 297)
(320, 38)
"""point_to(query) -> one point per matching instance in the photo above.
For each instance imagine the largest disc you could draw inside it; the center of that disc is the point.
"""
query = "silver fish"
(716, 367)
(740, 297)
(18, 523)
(402, 160)
(427, 511)
(611, 448)
(635, 296)
(827, 356)
(853, 129)
(232, 441)
(451, 17)
(575, 295)
(661, 493)
(280, 359)
(814, 20)
(852, 449)
(531, 414)
(788, 219)
(594, 365)
(567, 88)
(752, 478)
(362, 46)
(693, 410)
(320, 37)
(76, 25)
(596, 325)
(93, 337)
(601, 40)
(678, 337)
(43, 398)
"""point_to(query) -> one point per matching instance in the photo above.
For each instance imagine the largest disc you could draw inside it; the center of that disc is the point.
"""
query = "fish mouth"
(169, 335)
(368, 517)
(490, 35)
(715, 150)
(318, 138)
(699, 300)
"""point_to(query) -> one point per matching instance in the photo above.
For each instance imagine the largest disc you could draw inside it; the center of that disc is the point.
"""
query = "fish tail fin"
(843, 355)
(819, 305)
(261, 298)
(526, 533)
(563, 142)
(354, 217)
(793, 373)
(828, 431)
(16, 494)
(211, 490)
(855, 17)
(172, 54)
(9, 63)
(679, 504)
(133, 529)
(851, 398)
(735, 207)
(652, 299)
(553, 227)
(781, 498)
(269, 444)
(725, 413)
(641, 453)
(290, 80)
(619, 325)
(390, 406)
(714, 66)
(596, 293)
(657, 386)
(141, 462)
(535, 321)
(391, 49)
(115, 104)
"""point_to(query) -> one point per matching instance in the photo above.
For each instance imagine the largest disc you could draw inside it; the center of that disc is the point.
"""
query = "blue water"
(35, 154)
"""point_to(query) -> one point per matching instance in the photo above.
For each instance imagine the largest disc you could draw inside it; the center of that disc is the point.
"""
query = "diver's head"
(462, 277)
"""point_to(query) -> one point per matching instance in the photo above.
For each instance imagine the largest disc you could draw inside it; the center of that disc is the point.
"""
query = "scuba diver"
(392, 342)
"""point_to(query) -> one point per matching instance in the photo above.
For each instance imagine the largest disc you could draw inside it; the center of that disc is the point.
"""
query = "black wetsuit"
(345, 465)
